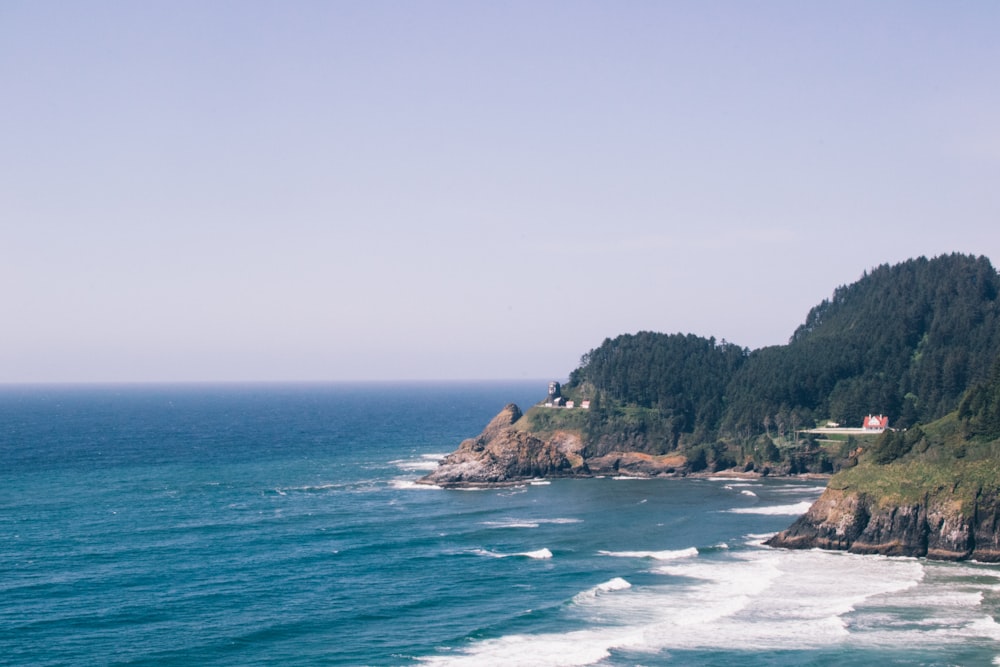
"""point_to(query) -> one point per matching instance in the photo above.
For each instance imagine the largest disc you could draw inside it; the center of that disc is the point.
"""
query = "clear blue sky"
(456, 190)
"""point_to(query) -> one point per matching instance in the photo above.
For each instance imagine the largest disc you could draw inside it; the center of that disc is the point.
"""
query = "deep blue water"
(266, 525)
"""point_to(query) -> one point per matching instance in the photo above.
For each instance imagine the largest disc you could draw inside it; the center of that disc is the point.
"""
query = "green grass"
(540, 419)
(912, 482)
(943, 464)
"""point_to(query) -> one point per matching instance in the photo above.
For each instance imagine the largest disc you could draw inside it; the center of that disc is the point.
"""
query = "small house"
(875, 424)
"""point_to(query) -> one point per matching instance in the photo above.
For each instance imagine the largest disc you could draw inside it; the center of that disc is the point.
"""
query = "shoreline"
(725, 474)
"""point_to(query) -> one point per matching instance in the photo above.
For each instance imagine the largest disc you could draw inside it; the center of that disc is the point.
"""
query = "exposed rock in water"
(501, 454)
(939, 527)
(504, 454)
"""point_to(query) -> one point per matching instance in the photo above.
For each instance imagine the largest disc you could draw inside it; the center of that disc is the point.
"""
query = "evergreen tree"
(904, 340)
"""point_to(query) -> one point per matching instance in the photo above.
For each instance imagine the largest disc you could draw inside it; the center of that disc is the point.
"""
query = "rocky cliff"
(502, 454)
(943, 511)
(505, 454)
(939, 526)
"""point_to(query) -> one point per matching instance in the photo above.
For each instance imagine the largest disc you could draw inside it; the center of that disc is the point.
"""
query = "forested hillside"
(979, 411)
(907, 341)
(930, 491)
(676, 380)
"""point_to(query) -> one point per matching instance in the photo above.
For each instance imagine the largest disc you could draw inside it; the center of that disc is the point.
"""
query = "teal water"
(266, 525)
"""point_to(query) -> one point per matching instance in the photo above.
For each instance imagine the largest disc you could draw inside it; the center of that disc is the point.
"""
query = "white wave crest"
(584, 647)
(747, 600)
(742, 489)
(539, 554)
(616, 584)
(610, 586)
(409, 484)
(528, 523)
(422, 463)
(512, 523)
(776, 510)
(690, 552)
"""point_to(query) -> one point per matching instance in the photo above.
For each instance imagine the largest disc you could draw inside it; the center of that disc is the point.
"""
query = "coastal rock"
(897, 530)
(502, 454)
(638, 464)
(834, 521)
(986, 529)
(940, 527)
(949, 534)
(507, 453)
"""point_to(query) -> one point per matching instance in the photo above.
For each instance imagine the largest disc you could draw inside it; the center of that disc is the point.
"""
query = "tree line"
(907, 340)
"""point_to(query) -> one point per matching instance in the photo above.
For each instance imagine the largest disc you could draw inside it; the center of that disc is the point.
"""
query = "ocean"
(280, 525)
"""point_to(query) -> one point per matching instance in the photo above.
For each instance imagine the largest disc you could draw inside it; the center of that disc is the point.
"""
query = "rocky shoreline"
(504, 455)
(939, 526)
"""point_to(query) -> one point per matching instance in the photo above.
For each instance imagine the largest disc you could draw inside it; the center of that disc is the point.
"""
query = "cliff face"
(940, 527)
(957, 519)
(503, 454)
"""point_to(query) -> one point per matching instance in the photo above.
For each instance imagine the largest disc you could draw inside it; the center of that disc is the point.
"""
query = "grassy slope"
(943, 463)
(542, 420)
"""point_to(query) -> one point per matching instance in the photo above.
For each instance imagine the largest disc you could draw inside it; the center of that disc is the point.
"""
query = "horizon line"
(369, 381)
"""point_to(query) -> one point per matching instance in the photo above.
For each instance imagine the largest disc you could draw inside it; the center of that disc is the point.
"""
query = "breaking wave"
(756, 600)
(690, 552)
(610, 586)
(424, 462)
(539, 554)
(775, 510)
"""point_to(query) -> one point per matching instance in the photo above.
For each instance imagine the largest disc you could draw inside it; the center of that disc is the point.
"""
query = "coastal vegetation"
(958, 453)
(908, 340)
(919, 341)
(932, 490)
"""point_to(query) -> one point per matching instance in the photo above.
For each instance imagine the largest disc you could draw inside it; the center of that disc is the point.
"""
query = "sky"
(341, 191)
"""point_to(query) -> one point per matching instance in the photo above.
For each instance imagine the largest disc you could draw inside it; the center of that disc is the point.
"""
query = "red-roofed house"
(875, 424)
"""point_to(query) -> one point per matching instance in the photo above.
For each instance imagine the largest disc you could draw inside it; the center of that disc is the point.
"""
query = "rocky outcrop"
(940, 526)
(505, 454)
(638, 464)
(502, 454)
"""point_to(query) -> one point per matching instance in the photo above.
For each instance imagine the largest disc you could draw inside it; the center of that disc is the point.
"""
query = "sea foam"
(538, 554)
(511, 523)
(610, 586)
(528, 523)
(655, 555)
(423, 463)
(754, 600)
(409, 485)
(776, 510)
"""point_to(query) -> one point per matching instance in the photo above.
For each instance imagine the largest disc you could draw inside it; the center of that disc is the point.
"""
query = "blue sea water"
(280, 525)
